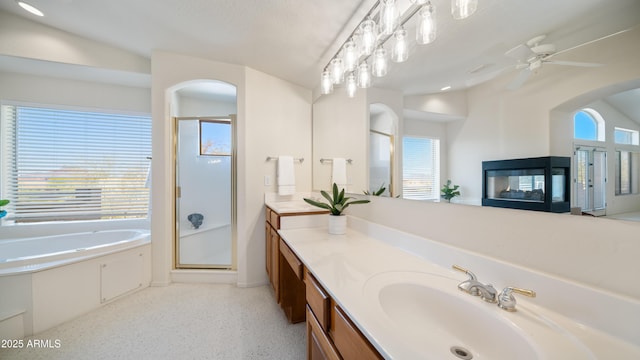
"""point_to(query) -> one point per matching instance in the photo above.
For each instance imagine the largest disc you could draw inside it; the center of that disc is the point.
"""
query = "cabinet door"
(319, 347)
(267, 248)
(348, 339)
(275, 264)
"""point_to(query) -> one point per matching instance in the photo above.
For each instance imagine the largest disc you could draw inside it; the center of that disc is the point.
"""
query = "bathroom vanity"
(376, 292)
(287, 215)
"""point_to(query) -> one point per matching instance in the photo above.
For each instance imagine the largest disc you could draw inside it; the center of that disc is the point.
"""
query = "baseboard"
(204, 276)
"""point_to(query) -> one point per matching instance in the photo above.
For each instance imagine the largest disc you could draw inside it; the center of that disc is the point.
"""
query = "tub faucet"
(474, 287)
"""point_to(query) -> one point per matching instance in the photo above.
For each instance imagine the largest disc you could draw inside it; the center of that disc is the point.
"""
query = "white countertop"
(344, 264)
(293, 207)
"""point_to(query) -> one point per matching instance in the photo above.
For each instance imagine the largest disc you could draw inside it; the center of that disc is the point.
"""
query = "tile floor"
(180, 321)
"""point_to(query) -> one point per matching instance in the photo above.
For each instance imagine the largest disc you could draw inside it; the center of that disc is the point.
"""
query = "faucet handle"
(507, 301)
(471, 275)
(466, 285)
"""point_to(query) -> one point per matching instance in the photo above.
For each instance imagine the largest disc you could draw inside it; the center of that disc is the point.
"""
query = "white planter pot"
(337, 224)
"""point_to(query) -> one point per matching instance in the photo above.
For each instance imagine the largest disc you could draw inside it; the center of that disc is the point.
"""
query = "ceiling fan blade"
(590, 42)
(519, 80)
(520, 53)
(572, 63)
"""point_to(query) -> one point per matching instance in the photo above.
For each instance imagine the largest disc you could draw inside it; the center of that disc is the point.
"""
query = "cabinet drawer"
(318, 344)
(348, 339)
(267, 214)
(318, 300)
(292, 259)
(274, 219)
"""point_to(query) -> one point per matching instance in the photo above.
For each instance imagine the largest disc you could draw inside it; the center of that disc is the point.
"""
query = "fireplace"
(540, 184)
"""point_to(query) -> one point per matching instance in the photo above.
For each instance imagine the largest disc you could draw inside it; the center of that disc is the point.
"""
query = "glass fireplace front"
(531, 184)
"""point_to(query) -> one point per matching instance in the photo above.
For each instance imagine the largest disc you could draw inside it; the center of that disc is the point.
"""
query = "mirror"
(383, 125)
(491, 122)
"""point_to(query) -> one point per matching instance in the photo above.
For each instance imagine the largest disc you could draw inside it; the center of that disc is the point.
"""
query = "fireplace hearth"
(540, 184)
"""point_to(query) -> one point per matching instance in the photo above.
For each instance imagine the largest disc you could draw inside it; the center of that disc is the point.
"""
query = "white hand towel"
(339, 174)
(286, 176)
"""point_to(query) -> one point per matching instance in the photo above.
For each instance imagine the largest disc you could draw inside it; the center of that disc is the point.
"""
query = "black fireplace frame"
(547, 163)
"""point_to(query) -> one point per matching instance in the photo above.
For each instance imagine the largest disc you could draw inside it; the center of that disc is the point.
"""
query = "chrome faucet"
(474, 287)
(507, 301)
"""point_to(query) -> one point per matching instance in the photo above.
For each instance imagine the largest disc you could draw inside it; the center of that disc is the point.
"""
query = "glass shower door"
(204, 193)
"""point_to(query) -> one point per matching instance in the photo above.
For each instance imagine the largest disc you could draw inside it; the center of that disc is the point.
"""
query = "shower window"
(215, 137)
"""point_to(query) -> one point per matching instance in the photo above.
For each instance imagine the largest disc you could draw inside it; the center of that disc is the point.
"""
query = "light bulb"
(326, 84)
(368, 37)
(351, 85)
(379, 65)
(400, 51)
(30, 8)
(462, 9)
(350, 52)
(426, 30)
(337, 70)
(389, 17)
(364, 76)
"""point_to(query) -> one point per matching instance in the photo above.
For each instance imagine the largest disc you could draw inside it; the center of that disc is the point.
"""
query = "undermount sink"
(438, 321)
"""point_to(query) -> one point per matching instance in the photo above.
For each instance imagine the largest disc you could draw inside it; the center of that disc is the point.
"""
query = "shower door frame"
(176, 194)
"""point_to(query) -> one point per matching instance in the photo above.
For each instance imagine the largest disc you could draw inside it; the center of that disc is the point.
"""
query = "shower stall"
(205, 168)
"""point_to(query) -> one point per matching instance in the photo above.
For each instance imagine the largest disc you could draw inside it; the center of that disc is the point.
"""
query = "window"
(626, 136)
(215, 137)
(588, 125)
(63, 165)
(420, 168)
(627, 165)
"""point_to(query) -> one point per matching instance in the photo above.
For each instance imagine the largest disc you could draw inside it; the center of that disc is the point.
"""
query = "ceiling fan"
(533, 54)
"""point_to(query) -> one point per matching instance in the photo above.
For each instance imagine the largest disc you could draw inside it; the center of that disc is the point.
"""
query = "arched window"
(588, 124)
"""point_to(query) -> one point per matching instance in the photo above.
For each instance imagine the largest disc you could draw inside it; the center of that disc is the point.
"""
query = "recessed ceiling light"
(30, 8)
(445, 88)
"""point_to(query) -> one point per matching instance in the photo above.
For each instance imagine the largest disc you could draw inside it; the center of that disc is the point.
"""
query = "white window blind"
(420, 168)
(64, 165)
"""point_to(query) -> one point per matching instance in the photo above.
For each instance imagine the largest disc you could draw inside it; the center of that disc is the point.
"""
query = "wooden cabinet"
(292, 288)
(319, 346)
(272, 249)
(330, 332)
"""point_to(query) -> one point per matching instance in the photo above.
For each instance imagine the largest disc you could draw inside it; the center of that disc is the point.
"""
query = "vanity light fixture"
(462, 9)
(326, 83)
(351, 85)
(379, 65)
(383, 22)
(400, 51)
(364, 75)
(30, 8)
(426, 30)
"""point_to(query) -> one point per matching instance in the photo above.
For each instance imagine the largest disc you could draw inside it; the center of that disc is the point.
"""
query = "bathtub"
(37, 253)
(208, 245)
(45, 281)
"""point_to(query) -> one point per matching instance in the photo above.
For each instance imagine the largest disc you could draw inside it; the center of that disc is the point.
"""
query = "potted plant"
(449, 192)
(3, 213)
(378, 192)
(337, 202)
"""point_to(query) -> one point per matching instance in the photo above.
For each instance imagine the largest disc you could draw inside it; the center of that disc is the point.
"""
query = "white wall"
(278, 122)
(27, 39)
(341, 130)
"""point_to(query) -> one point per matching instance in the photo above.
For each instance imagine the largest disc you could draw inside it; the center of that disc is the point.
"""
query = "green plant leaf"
(335, 193)
(4, 202)
(326, 196)
(318, 204)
